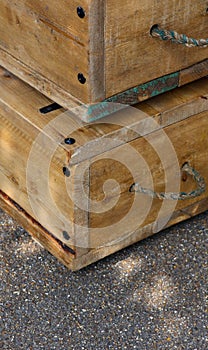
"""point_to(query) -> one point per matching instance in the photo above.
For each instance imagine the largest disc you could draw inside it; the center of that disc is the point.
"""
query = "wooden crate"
(84, 52)
(71, 185)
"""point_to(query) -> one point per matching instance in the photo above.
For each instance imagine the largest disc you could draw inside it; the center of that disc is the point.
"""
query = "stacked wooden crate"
(87, 51)
(56, 171)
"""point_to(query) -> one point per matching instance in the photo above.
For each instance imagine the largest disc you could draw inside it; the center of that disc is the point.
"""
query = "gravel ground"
(148, 296)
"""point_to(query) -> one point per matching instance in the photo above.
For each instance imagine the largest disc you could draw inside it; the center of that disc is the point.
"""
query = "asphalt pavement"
(149, 296)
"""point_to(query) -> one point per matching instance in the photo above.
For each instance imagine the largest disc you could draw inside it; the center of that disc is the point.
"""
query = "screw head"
(81, 78)
(66, 171)
(69, 141)
(66, 235)
(80, 12)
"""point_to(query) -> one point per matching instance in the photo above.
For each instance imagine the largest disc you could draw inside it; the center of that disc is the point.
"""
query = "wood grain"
(21, 125)
(45, 50)
(195, 72)
(62, 15)
(141, 233)
(189, 139)
(133, 57)
(65, 256)
(48, 45)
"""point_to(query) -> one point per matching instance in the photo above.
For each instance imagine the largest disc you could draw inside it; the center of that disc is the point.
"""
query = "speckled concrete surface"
(149, 296)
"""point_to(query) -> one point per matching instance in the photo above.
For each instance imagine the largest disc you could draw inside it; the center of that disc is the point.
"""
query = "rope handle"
(201, 187)
(171, 35)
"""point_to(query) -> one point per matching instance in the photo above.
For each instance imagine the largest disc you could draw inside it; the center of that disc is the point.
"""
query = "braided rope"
(175, 37)
(201, 187)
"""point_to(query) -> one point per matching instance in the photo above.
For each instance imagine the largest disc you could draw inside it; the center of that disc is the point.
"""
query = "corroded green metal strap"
(201, 187)
(175, 37)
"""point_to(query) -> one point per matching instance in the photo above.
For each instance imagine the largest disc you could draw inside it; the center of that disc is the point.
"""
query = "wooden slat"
(63, 15)
(15, 151)
(195, 72)
(96, 50)
(47, 51)
(189, 140)
(21, 123)
(139, 234)
(40, 43)
(37, 81)
(56, 210)
(66, 256)
(133, 57)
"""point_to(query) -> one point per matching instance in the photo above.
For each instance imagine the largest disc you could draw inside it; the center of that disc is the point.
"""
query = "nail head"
(69, 141)
(66, 171)
(80, 12)
(81, 78)
(66, 235)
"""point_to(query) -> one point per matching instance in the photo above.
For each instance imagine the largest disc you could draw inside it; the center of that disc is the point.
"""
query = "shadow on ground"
(148, 296)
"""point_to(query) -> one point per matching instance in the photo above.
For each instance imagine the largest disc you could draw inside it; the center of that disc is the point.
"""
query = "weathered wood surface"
(21, 123)
(62, 15)
(49, 55)
(190, 141)
(47, 45)
(161, 85)
(194, 72)
(133, 57)
(46, 50)
(67, 257)
(92, 161)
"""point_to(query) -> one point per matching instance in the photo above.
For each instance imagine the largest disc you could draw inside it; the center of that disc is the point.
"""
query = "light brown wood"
(41, 44)
(193, 73)
(37, 81)
(140, 234)
(62, 14)
(189, 140)
(45, 50)
(67, 257)
(133, 56)
(21, 123)
(96, 27)
(47, 45)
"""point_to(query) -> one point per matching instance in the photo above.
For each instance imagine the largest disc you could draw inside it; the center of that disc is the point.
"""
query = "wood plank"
(21, 125)
(66, 256)
(141, 233)
(96, 30)
(63, 15)
(161, 85)
(16, 147)
(48, 54)
(133, 57)
(55, 210)
(194, 72)
(37, 81)
(189, 140)
(43, 50)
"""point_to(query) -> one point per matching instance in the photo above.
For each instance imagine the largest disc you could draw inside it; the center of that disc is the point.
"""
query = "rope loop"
(201, 187)
(171, 35)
